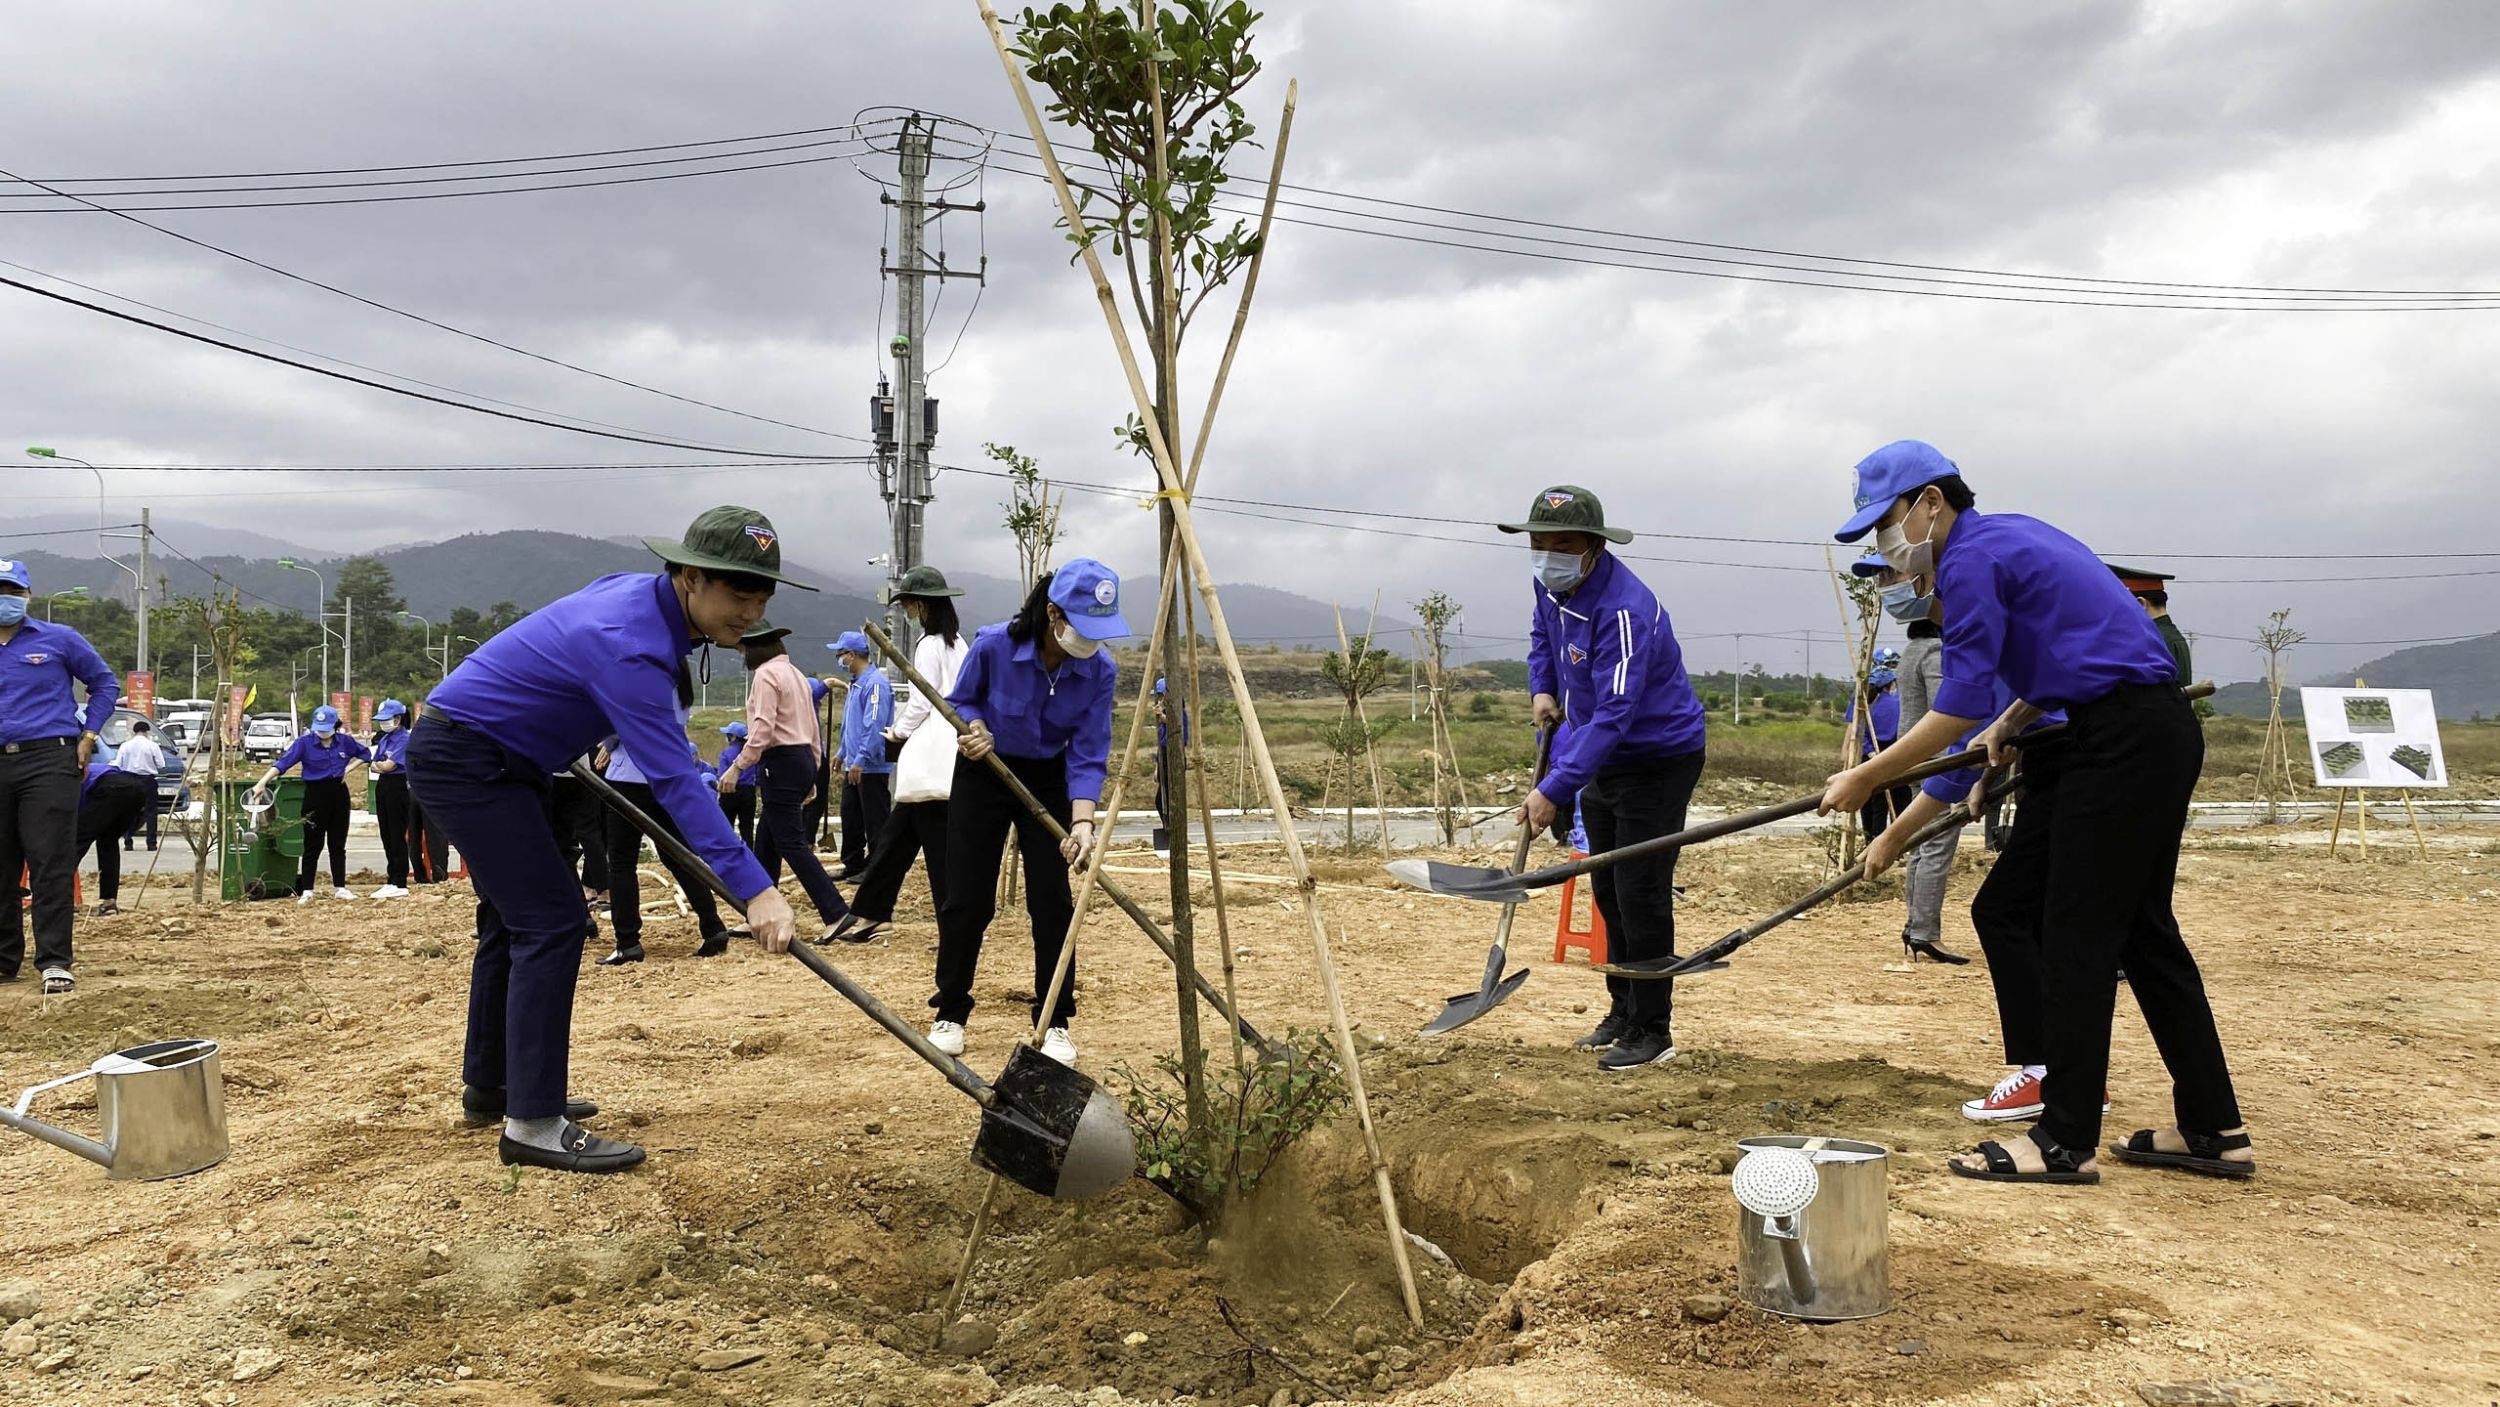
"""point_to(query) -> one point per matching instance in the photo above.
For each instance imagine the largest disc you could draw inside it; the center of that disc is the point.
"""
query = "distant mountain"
(2463, 677)
(531, 568)
(198, 539)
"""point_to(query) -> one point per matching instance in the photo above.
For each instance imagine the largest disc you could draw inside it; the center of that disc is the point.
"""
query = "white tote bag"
(926, 769)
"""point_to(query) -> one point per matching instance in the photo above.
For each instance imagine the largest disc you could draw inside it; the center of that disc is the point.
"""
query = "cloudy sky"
(2300, 146)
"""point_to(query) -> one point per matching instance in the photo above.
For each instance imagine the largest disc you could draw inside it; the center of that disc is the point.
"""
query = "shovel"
(1502, 887)
(1044, 1126)
(1467, 1006)
(1714, 957)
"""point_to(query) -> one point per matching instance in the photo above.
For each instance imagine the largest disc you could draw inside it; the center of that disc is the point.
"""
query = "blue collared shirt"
(1035, 713)
(322, 764)
(602, 660)
(1884, 723)
(1608, 652)
(1953, 788)
(392, 747)
(2029, 605)
(867, 711)
(37, 667)
(623, 768)
(728, 754)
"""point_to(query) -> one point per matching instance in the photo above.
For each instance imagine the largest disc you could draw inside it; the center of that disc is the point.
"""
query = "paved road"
(1416, 830)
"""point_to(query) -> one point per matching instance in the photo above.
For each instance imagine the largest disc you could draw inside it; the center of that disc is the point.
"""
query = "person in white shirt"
(142, 757)
(913, 826)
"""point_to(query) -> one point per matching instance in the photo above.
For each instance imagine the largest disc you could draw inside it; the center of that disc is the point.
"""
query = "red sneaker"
(2017, 1096)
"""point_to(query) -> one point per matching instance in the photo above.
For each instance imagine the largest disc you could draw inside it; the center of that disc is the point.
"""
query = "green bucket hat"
(728, 539)
(1567, 508)
(925, 580)
(763, 632)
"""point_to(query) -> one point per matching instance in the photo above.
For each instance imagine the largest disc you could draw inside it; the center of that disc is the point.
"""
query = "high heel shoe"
(1933, 951)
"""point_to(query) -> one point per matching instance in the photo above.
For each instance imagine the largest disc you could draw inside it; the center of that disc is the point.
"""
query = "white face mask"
(388, 725)
(1910, 559)
(1075, 646)
(1560, 571)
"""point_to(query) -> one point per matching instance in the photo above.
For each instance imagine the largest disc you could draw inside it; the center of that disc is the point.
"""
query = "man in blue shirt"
(323, 752)
(2030, 608)
(390, 795)
(867, 776)
(606, 659)
(1603, 658)
(46, 741)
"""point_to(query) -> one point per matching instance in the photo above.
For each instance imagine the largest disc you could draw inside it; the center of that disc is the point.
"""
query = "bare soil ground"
(808, 1190)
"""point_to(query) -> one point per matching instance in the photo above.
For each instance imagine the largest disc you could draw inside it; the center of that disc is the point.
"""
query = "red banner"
(234, 717)
(340, 701)
(139, 694)
(364, 713)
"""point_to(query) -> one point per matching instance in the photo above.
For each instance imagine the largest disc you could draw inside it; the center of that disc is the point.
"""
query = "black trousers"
(913, 828)
(2006, 910)
(38, 834)
(865, 804)
(112, 810)
(390, 811)
(980, 812)
(429, 850)
(625, 878)
(147, 821)
(2092, 861)
(739, 807)
(1881, 808)
(325, 825)
(1626, 802)
(789, 771)
(581, 832)
(497, 806)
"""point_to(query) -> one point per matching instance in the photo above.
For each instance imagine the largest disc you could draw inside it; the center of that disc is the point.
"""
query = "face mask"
(1911, 559)
(1560, 571)
(389, 725)
(1903, 603)
(1076, 646)
(12, 610)
(324, 730)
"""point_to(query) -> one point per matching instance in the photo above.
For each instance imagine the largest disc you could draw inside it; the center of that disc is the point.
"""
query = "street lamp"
(448, 637)
(75, 593)
(321, 616)
(429, 638)
(138, 574)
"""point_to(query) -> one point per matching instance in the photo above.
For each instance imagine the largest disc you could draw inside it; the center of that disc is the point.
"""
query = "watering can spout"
(63, 1139)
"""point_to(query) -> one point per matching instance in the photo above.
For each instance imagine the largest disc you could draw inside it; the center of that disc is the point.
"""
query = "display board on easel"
(2363, 739)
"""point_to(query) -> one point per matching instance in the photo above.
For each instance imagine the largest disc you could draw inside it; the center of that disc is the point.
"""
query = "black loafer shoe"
(622, 956)
(1607, 1033)
(583, 1152)
(713, 946)
(481, 1107)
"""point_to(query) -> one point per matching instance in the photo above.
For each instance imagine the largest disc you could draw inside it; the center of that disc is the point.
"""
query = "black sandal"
(2061, 1164)
(853, 929)
(2204, 1153)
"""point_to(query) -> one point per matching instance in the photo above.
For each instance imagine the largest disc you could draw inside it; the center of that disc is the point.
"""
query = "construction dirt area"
(808, 1192)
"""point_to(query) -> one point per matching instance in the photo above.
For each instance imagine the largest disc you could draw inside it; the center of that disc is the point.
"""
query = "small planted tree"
(1437, 611)
(1032, 515)
(1356, 671)
(2274, 760)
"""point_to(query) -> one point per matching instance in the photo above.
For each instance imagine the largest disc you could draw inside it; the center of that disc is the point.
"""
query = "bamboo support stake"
(1185, 527)
(1192, 729)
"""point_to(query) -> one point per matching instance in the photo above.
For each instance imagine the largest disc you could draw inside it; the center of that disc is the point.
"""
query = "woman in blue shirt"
(2030, 608)
(323, 752)
(603, 660)
(390, 795)
(738, 803)
(1036, 692)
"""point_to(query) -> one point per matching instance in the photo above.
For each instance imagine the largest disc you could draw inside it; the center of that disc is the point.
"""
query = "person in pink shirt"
(783, 738)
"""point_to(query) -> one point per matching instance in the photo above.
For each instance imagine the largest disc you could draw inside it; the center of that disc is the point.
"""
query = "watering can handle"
(17, 1118)
(26, 1097)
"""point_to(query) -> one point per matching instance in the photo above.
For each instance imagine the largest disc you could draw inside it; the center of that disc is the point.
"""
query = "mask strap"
(703, 666)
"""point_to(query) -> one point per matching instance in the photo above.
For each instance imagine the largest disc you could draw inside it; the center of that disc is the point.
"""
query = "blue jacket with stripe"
(1608, 653)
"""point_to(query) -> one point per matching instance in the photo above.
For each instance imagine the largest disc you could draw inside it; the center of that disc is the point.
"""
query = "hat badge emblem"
(763, 536)
(1107, 593)
(1556, 499)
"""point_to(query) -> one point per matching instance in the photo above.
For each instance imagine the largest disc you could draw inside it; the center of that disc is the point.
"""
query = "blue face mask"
(1560, 571)
(12, 610)
(1903, 603)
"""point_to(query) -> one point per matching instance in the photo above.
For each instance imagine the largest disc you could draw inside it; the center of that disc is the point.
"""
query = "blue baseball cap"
(735, 730)
(1903, 466)
(1090, 594)
(325, 714)
(1886, 657)
(13, 569)
(854, 642)
(1872, 564)
(1158, 683)
(391, 708)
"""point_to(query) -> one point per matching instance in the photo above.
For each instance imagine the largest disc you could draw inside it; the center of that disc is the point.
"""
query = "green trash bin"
(264, 854)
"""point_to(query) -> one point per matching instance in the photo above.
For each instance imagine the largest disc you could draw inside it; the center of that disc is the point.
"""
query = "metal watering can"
(1813, 1239)
(162, 1107)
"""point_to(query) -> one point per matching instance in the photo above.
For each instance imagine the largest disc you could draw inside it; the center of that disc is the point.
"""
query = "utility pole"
(902, 417)
(347, 644)
(143, 666)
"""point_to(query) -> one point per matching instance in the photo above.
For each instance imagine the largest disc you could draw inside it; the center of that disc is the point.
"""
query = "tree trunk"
(1170, 751)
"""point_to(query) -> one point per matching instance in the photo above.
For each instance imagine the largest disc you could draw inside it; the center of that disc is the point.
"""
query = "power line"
(852, 126)
(12, 536)
(385, 386)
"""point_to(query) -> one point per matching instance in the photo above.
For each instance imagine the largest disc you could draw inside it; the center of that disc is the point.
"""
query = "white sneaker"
(304, 898)
(390, 891)
(947, 1036)
(342, 892)
(1059, 1046)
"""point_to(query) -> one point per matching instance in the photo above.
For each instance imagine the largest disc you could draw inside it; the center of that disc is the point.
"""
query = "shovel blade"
(1659, 969)
(1052, 1130)
(1459, 881)
(1467, 1006)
